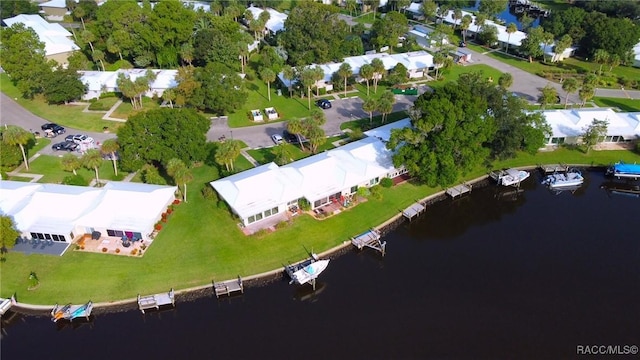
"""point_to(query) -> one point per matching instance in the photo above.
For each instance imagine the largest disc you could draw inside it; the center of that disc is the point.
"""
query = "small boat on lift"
(306, 271)
(622, 170)
(570, 179)
(510, 177)
(80, 311)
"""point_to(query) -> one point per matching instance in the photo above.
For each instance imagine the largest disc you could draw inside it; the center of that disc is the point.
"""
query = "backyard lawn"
(202, 242)
(265, 155)
(629, 105)
(50, 167)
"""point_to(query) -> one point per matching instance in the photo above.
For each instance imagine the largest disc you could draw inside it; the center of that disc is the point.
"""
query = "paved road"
(12, 113)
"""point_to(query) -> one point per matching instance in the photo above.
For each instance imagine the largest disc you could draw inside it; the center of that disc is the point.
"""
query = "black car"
(292, 138)
(65, 145)
(53, 127)
(324, 103)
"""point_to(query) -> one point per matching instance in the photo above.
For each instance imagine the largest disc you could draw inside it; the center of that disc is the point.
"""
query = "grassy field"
(265, 155)
(630, 105)
(50, 167)
(201, 242)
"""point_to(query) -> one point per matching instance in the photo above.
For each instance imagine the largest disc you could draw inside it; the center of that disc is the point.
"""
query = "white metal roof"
(267, 186)
(276, 19)
(414, 60)
(97, 80)
(54, 36)
(503, 36)
(572, 123)
(58, 209)
(383, 132)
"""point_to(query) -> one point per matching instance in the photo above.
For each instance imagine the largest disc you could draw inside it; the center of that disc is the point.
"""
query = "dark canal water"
(489, 276)
(508, 15)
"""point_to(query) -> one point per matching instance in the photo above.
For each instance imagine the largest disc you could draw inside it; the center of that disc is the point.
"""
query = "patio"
(111, 245)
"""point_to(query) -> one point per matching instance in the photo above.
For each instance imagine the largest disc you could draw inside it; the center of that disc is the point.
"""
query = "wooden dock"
(370, 239)
(413, 211)
(459, 190)
(156, 301)
(228, 287)
(552, 168)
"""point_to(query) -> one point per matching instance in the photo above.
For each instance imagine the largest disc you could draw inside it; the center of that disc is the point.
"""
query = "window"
(258, 216)
(119, 233)
(34, 236)
(40, 236)
(251, 219)
(56, 238)
(47, 236)
(374, 181)
(354, 189)
(111, 232)
(267, 213)
(62, 238)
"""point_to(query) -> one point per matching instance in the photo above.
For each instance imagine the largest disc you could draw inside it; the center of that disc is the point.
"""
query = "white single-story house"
(54, 10)
(504, 38)
(61, 213)
(276, 18)
(636, 55)
(268, 190)
(418, 63)
(549, 52)
(424, 36)
(415, 10)
(568, 125)
(99, 82)
(57, 41)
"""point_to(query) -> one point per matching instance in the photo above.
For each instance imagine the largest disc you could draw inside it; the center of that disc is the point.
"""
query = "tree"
(227, 153)
(295, 126)
(151, 175)
(110, 147)
(307, 79)
(314, 34)
(398, 75)
(63, 85)
(8, 233)
(385, 106)
(378, 72)
(282, 154)
(601, 57)
(479, 22)
(489, 35)
(177, 169)
(161, 134)
(531, 44)
(345, 72)
(366, 72)
(586, 93)
(370, 105)
(569, 85)
(70, 162)
(92, 159)
(170, 96)
(511, 28)
(16, 136)
(614, 61)
(221, 90)
(594, 133)
(562, 44)
(23, 59)
(387, 30)
(549, 95)
(429, 9)
(505, 81)
(464, 26)
(351, 6)
(457, 15)
(438, 61)
(289, 74)
(267, 75)
(316, 137)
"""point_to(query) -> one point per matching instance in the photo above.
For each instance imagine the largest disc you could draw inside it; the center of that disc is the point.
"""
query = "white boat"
(571, 178)
(309, 272)
(510, 177)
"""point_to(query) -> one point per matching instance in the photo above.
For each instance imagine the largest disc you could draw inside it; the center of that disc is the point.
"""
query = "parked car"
(65, 145)
(292, 138)
(54, 128)
(277, 139)
(324, 103)
(69, 137)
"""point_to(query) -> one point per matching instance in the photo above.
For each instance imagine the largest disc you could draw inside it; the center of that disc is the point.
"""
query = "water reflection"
(621, 187)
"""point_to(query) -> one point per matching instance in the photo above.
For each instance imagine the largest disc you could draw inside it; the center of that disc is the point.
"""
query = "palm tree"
(378, 72)
(71, 163)
(586, 93)
(370, 105)
(570, 85)
(295, 126)
(505, 80)
(601, 57)
(180, 174)
(267, 75)
(457, 15)
(228, 152)
(464, 26)
(110, 147)
(288, 73)
(480, 19)
(511, 28)
(92, 159)
(366, 72)
(345, 71)
(438, 60)
(187, 53)
(14, 135)
(307, 80)
(169, 95)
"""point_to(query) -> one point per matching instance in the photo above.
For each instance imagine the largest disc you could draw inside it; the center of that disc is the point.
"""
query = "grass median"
(202, 242)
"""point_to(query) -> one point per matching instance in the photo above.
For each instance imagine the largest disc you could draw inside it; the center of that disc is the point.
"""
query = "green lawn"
(19, 178)
(630, 105)
(265, 155)
(49, 166)
(125, 110)
(202, 242)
